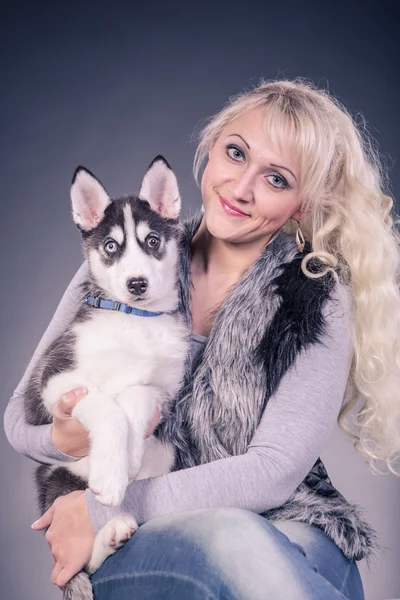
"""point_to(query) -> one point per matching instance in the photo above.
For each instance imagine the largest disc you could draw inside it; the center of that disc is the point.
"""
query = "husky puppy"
(127, 344)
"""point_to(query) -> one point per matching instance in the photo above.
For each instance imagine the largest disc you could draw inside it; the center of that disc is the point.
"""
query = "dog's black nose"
(137, 285)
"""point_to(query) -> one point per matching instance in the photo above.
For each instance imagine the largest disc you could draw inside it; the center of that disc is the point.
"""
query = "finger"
(56, 572)
(45, 520)
(153, 423)
(67, 401)
(65, 575)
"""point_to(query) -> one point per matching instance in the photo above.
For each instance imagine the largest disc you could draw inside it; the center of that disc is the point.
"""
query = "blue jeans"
(227, 554)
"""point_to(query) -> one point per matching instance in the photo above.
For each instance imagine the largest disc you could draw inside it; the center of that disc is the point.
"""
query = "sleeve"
(293, 430)
(35, 441)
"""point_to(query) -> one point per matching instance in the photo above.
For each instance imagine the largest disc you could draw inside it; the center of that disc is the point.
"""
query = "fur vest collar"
(267, 318)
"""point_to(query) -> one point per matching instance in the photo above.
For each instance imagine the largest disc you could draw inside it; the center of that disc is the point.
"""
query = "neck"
(214, 257)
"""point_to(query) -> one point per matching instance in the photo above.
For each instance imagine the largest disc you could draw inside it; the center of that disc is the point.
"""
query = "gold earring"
(300, 241)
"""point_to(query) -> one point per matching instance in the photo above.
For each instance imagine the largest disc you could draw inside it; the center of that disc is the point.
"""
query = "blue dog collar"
(98, 302)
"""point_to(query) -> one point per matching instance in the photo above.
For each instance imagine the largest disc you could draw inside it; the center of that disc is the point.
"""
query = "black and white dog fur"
(130, 364)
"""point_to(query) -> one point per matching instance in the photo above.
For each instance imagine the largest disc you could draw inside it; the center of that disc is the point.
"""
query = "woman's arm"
(30, 440)
(290, 437)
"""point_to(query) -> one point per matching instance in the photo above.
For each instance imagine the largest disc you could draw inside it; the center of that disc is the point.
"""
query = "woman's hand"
(70, 535)
(67, 434)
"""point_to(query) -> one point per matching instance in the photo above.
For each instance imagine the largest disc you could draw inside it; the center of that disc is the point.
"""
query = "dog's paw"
(110, 538)
(111, 499)
(120, 529)
(108, 489)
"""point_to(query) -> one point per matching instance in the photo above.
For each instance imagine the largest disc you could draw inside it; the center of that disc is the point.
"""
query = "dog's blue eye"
(152, 241)
(111, 247)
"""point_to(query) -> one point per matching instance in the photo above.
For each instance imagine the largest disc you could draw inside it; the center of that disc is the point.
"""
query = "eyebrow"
(272, 165)
(286, 169)
(237, 135)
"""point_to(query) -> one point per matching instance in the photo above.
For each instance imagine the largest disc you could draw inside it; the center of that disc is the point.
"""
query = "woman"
(283, 340)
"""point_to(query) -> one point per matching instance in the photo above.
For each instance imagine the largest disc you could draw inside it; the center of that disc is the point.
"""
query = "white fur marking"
(134, 263)
(117, 234)
(142, 230)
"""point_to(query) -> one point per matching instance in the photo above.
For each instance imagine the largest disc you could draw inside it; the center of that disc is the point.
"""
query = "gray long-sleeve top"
(293, 430)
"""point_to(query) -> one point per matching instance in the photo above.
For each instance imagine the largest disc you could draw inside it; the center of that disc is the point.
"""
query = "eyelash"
(273, 174)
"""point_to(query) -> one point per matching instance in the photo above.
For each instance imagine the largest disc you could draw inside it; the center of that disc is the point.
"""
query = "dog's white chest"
(139, 346)
(115, 351)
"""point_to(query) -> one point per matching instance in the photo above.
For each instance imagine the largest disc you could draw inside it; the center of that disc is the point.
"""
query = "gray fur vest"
(271, 314)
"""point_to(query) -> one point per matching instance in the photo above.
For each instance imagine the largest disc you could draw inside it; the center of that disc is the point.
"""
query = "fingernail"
(81, 391)
(33, 526)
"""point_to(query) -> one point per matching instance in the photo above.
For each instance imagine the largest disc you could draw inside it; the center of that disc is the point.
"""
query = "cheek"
(203, 183)
(271, 210)
(208, 175)
(278, 206)
(215, 174)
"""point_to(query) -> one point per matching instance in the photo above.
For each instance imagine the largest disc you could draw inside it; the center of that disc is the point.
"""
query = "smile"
(231, 210)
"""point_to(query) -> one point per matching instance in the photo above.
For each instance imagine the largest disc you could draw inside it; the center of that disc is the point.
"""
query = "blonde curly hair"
(352, 228)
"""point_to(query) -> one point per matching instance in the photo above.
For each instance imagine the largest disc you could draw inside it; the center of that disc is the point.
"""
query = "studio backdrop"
(111, 84)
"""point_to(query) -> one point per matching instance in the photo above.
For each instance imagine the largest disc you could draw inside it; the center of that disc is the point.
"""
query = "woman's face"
(245, 172)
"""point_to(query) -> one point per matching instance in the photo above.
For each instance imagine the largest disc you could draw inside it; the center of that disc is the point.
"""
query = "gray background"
(111, 84)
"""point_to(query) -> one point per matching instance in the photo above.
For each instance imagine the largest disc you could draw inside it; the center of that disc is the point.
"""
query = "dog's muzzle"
(137, 285)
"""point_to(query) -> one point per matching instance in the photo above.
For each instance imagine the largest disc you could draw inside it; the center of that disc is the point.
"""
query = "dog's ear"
(89, 199)
(160, 189)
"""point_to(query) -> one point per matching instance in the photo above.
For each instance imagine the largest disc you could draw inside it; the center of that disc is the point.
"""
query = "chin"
(221, 226)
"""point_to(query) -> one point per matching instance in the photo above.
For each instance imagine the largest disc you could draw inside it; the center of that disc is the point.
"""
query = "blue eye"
(152, 241)
(277, 180)
(234, 152)
(111, 247)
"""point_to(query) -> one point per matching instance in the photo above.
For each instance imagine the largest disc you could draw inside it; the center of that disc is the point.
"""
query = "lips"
(231, 209)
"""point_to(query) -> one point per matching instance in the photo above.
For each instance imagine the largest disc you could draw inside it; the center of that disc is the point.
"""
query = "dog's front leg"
(139, 403)
(107, 425)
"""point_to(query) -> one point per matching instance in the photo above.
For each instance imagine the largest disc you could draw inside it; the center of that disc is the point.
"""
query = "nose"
(242, 187)
(137, 285)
